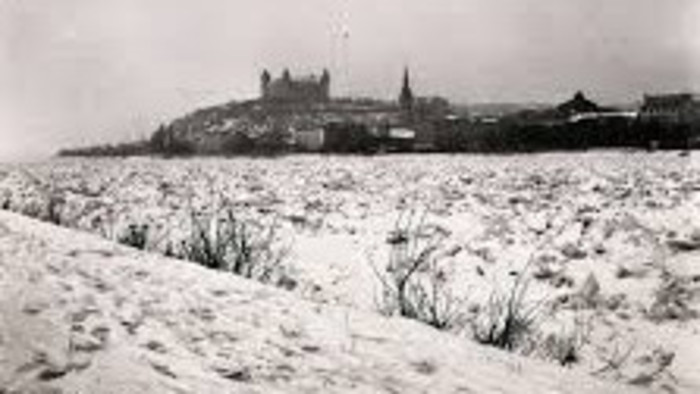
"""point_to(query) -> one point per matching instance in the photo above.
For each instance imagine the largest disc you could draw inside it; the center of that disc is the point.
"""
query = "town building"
(671, 121)
(309, 140)
(671, 109)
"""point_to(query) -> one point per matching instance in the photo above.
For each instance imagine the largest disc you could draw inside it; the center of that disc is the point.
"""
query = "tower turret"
(326, 84)
(265, 79)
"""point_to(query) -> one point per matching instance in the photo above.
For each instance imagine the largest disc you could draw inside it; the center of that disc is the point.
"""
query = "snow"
(628, 220)
(81, 314)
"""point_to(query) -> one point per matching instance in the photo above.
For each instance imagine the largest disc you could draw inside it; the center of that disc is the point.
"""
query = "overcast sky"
(75, 72)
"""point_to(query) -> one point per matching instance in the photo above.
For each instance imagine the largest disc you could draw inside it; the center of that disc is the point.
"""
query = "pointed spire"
(406, 96)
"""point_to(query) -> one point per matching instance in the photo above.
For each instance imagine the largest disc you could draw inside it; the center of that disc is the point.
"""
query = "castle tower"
(265, 79)
(325, 84)
(406, 96)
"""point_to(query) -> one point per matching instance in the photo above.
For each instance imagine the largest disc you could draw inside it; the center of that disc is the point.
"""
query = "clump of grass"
(54, 206)
(506, 320)
(414, 285)
(135, 236)
(53, 201)
(564, 347)
(47, 207)
(224, 242)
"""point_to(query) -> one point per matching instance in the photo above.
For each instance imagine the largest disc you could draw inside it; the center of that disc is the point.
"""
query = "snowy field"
(603, 248)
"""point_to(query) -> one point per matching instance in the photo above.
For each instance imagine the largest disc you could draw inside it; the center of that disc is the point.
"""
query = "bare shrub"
(47, 206)
(51, 200)
(614, 363)
(54, 206)
(506, 320)
(413, 284)
(224, 242)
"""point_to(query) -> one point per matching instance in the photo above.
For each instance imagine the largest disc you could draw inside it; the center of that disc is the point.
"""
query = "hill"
(261, 124)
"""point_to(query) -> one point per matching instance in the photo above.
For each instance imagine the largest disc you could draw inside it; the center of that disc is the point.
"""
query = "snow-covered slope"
(81, 314)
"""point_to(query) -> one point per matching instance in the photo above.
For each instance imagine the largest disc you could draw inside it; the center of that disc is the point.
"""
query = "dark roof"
(669, 100)
(578, 104)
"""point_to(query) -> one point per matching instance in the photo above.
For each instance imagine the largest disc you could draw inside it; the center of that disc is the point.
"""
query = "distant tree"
(342, 137)
(165, 142)
(276, 140)
(238, 143)
(158, 139)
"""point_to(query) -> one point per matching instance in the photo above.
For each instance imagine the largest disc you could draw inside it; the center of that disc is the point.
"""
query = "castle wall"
(296, 90)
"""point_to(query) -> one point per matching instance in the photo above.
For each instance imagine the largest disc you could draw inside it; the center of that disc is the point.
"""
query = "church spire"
(406, 97)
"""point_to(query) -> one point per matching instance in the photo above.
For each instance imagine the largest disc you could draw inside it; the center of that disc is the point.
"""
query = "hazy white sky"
(88, 71)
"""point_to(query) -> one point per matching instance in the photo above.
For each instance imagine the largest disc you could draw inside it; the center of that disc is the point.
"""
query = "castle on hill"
(307, 89)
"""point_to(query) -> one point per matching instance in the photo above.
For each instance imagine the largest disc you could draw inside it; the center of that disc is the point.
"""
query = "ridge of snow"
(82, 314)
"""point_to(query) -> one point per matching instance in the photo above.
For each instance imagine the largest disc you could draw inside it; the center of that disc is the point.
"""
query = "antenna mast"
(340, 46)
